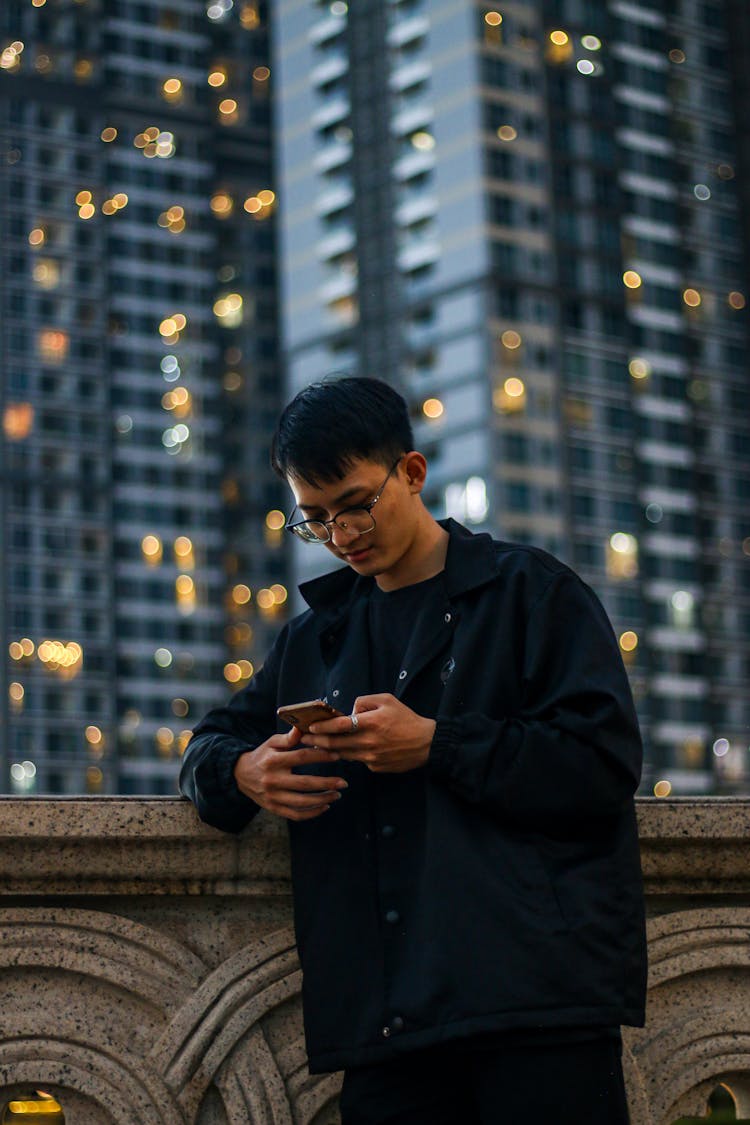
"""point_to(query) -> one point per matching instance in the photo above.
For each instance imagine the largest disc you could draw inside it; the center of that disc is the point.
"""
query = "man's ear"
(415, 470)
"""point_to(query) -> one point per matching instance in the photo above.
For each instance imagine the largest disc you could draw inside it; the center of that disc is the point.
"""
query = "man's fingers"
(342, 744)
(306, 754)
(285, 741)
(299, 814)
(293, 800)
(322, 742)
(336, 726)
(305, 782)
(365, 703)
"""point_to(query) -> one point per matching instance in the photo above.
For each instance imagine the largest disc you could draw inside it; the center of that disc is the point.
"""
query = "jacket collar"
(470, 562)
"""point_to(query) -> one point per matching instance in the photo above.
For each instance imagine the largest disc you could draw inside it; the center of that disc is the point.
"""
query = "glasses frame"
(293, 527)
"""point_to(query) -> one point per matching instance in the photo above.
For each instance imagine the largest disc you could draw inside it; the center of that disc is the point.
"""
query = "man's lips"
(356, 556)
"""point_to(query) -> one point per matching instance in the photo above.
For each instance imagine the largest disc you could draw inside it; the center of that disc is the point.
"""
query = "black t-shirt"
(392, 617)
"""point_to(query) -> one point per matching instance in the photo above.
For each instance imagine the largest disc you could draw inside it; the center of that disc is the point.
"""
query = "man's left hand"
(389, 737)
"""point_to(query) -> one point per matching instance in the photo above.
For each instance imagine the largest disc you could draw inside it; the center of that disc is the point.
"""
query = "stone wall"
(148, 973)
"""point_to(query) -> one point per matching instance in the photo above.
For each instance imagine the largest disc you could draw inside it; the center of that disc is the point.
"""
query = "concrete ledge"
(133, 845)
(695, 845)
(148, 969)
(157, 845)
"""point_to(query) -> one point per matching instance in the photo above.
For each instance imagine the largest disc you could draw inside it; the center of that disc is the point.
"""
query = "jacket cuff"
(217, 789)
(469, 750)
(225, 782)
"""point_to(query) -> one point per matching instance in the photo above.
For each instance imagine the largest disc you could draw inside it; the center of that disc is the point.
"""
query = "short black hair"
(329, 425)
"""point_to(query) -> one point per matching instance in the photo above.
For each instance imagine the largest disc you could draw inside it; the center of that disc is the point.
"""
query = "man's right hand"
(265, 776)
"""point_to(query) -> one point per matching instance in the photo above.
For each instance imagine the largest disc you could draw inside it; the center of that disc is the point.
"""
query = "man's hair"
(330, 425)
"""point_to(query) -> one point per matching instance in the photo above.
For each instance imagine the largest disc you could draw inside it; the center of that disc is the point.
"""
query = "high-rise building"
(531, 217)
(141, 562)
(527, 216)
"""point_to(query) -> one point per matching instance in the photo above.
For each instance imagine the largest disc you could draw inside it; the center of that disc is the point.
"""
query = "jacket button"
(402, 674)
(392, 917)
(335, 693)
(447, 618)
(386, 1032)
(397, 1024)
(388, 831)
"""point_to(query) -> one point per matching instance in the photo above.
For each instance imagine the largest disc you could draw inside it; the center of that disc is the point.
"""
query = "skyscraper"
(527, 216)
(140, 525)
(531, 217)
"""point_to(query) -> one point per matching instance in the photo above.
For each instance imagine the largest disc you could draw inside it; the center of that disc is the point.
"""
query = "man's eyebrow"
(347, 494)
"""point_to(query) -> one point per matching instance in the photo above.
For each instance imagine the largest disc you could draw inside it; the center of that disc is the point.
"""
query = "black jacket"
(497, 887)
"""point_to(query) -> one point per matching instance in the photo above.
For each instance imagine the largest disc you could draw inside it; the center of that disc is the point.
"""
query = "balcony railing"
(148, 972)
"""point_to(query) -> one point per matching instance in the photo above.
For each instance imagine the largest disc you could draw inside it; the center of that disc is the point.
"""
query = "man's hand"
(389, 736)
(265, 776)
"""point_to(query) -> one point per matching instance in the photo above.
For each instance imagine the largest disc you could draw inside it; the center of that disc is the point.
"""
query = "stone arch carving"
(111, 1092)
(252, 1086)
(226, 1002)
(107, 947)
(86, 992)
(129, 1021)
(698, 1017)
(640, 1112)
(257, 1085)
(219, 1037)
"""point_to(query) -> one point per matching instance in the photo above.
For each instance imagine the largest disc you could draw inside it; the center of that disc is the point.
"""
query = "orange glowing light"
(18, 420)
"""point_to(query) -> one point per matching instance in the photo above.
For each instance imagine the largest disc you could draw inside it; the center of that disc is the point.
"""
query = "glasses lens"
(312, 531)
(356, 520)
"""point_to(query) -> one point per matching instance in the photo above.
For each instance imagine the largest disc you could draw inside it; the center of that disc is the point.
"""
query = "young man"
(468, 903)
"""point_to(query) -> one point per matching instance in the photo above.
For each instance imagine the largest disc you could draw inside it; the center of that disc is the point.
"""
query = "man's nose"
(340, 536)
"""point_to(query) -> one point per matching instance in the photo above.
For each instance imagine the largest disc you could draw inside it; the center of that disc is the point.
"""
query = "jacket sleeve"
(573, 750)
(220, 738)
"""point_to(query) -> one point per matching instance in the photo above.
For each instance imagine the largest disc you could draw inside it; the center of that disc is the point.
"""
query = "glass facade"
(528, 218)
(143, 567)
(532, 218)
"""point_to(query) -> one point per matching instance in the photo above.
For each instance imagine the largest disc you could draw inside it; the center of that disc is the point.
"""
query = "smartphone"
(301, 715)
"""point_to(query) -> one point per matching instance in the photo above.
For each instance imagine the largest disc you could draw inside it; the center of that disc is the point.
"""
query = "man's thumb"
(293, 736)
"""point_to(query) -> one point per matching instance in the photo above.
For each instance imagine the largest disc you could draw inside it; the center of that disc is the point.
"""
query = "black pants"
(562, 1083)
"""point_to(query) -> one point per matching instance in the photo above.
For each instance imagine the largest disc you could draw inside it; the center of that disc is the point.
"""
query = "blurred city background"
(533, 218)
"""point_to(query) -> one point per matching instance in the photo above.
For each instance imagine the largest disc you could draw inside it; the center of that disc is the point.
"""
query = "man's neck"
(425, 559)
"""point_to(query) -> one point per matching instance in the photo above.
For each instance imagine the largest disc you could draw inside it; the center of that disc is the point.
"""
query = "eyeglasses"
(358, 520)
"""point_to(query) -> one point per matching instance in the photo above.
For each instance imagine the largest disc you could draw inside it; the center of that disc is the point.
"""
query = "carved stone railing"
(148, 973)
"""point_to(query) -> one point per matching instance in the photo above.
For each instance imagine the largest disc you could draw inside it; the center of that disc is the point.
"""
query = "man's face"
(395, 514)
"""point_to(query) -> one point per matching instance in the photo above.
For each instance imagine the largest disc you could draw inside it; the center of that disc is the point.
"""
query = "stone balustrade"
(148, 974)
